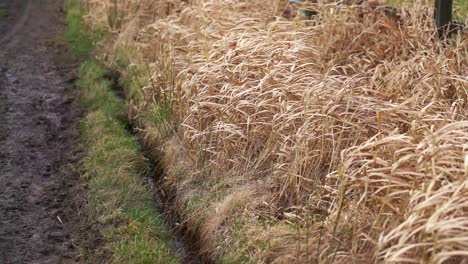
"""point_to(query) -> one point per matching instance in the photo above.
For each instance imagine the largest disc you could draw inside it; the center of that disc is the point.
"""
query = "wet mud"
(40, 195)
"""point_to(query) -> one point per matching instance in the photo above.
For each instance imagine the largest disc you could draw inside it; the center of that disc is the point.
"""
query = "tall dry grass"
(338, 139)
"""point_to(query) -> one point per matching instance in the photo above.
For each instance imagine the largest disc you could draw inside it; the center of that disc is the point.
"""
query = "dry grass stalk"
(351, 127)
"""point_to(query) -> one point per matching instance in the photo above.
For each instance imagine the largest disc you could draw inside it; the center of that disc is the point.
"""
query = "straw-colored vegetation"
(340, 139)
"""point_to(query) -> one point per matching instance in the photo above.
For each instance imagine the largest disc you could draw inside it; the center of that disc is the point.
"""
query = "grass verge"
(113, 168)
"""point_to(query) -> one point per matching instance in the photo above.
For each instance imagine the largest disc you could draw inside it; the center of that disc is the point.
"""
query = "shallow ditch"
(181, 243)
(187, 251)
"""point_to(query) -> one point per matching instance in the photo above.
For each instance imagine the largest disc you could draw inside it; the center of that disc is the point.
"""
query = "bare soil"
(40, 195)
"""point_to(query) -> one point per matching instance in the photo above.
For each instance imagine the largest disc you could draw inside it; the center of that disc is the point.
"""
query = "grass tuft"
(80, 40)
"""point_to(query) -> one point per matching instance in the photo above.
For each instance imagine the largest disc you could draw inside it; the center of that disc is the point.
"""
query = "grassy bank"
(114, 168)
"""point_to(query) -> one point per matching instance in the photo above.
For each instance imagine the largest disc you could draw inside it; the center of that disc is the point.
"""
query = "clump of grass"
(320, 138)
(80, 40)
(114, 168)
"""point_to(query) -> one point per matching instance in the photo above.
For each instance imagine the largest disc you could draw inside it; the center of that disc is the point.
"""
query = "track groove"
(9, 38)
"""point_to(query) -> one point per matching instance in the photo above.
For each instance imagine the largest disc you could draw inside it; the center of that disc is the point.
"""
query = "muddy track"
(39, 189)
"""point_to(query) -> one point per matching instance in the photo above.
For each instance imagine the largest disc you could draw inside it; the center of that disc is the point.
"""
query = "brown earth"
(39, 188)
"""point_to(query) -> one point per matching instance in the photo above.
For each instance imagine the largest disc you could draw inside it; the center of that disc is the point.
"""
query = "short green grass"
(113, 170)
(80, 40)
(114, 167)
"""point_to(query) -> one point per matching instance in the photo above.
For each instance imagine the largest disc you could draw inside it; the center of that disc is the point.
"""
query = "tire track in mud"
(39, 189)
(8, 38)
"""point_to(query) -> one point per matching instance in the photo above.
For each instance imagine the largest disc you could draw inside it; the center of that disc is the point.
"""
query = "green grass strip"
(114, 167)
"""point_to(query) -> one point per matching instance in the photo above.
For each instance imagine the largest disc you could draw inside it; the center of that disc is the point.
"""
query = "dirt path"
(38, 134)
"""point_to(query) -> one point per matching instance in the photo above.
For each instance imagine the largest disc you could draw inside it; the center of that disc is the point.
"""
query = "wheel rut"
(39, 189)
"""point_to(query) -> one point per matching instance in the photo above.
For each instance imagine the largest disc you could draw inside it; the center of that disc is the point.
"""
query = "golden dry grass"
(339, 139)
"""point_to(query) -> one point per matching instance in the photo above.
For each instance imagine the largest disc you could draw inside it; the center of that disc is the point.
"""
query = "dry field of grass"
(341, 139)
